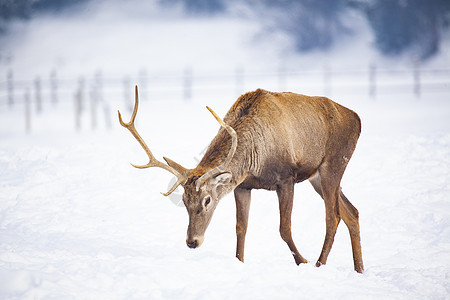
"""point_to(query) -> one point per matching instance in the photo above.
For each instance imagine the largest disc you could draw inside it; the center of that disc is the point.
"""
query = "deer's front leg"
(285, 192)
(242, 197)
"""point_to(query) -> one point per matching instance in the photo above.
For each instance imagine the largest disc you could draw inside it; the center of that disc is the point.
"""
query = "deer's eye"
(207, 200)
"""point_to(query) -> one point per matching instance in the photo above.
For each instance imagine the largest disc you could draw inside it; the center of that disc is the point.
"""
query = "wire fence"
(92, 94)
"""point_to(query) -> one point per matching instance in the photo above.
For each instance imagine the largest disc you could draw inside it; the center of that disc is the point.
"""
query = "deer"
(269, 140)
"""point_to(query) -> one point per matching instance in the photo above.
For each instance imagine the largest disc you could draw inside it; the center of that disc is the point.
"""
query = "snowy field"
(78, 222)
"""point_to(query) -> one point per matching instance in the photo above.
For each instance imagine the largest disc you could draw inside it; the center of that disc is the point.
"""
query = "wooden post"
(54, 87)
(81, 88)
(416, 76)
(93, 96)
(81, 100)
(98, 86)
(10, 88)
(27, 111)
(372, 81)
(79, 104)
(38, 95)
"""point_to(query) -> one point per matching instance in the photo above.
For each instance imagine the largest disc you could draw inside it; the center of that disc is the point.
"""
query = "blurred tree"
(10, 9)
(399, 26)
(313, 24)
(24, 9)
(402, 25)
(199, 7)
(55, 5)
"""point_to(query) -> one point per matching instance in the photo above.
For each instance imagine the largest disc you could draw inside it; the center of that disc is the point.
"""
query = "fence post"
(98, 86)
(10, 88)
(416, 76)
(79, 103)
(93, 96)
(372, 81)
(82, 87)
(27, 111)
(188, 79)
(54, 87)
(38, 96)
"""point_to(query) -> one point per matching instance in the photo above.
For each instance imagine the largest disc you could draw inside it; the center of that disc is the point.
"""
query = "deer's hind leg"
(350, 216)
(347, 212)
(327, 187)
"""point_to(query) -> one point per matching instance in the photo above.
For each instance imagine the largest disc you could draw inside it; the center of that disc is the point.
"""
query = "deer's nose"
(192, 244)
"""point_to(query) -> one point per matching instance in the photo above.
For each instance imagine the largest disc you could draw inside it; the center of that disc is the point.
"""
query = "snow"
(77, 221)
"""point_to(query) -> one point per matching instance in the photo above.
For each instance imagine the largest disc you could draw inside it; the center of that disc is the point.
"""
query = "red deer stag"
(271, 141)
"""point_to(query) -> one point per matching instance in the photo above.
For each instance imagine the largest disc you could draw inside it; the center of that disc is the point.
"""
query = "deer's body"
(276, 140)
(283, 136)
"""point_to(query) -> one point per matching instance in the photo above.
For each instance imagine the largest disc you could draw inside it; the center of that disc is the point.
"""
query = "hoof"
(300, 261)
(359, 269)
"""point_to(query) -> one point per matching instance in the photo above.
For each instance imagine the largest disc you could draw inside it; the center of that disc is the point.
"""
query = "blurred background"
(81, 58)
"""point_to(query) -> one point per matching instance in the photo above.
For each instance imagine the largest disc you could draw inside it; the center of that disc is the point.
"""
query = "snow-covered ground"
(77, 221)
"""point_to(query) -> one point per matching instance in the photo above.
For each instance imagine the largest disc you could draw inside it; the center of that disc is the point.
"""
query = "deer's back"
(290, 134)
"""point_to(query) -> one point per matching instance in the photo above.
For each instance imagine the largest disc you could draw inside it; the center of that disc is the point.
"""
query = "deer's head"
(202, 190)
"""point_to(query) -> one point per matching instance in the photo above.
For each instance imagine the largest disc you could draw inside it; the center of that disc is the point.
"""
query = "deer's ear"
(220, 184)
(179, 168)
(221, 179)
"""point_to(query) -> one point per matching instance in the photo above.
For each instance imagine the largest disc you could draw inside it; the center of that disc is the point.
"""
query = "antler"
(224, 165)
(153, 162)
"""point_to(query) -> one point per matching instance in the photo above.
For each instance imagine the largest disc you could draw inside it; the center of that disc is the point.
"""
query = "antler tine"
(133, 116)
(153, 162)
(180, 180)
(221, 168)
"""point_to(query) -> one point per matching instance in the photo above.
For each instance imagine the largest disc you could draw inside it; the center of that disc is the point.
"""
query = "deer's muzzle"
(194, 242)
